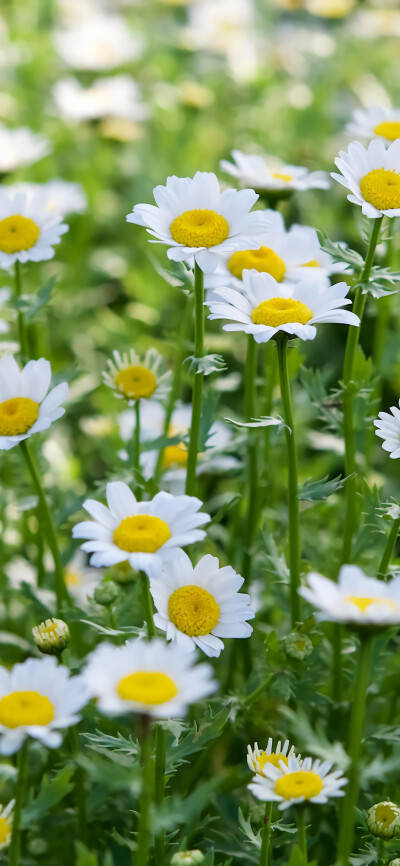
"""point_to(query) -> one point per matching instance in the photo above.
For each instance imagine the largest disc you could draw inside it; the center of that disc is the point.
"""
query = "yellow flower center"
(389, 129)
(193, 610)
(302, 783)
(136, 382)
(274, 758)
(175, 455)
(141, 533)
(385, 814)
(279, 176)
(17, 233)
(17, 416)
(25, 708)
(381, 188)
(49, 630)
(263, 260)
(363, 603)
(147, 687)
(312, 264)
(72, 578)
(5, 830)
(199, 228)
(280, 311)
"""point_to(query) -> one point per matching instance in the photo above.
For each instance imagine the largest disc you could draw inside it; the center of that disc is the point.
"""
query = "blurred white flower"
(81, 580)
(19, 147)
(375, 122)
(226, 27)
(354, 599)
(266, 173)
(117, 96)
(134, 378)
(98, 43)
(62, 196)
(388, 428)
(6, 822)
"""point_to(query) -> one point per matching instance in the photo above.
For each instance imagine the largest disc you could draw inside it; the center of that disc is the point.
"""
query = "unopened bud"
(383, 820)
(297, 646)
(106, 593)
(51, 636)
(187, 858)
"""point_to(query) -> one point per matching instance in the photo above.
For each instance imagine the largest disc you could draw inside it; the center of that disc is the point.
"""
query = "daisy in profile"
(19, 147)
(258, 758)
(147, 534)
(265, 307)
(28, 229)
(267, 174)
(148, 677)
(295, 782)
(99, 43)
(372, 174)
(199, 606)
(6, 823)
(289, 256)
(375, 122)
(388, 428)
(24, 407)
(196, 220)
(355, 599)
(134, 378)
(37, 698)
(118, 96)
(81, 580)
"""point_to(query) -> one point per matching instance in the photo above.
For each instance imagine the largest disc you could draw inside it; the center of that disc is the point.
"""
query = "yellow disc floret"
(381, 188)
(302, 783)
(17, 233)
(264, 260)
(17, 416)
(389, 129)
(193, 610)
(141, 533)
(279, 176)
(280, 311)
(274, 758)
(5, 830)
(147, 687)
(363, 603)
(136, 382)
(311, 264)
(199, 228)
(25, 708)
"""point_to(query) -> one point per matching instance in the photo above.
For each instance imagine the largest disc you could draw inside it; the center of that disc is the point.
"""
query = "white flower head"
(6, 822)
(199, 606)
(37, 698)
(289, 256)
(267, 174)
(355, 599)
(147, 534)
(196, 220)
(99, 42)
(148, 677)
(81, 580)
(298, 782)
(258, 758)
(117, 96)
(5, 293)
(388, 428)
(134, 378)
(265, 307)
(375, 122)
(28, 229)
(63, 197)
(24, 407)
(372, 174)
(19, 147)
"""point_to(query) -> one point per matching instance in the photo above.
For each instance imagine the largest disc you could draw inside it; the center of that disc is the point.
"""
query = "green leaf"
(52, 791)
(210, 728)
(84, 856)
(313, 491)
(340, 252)
(207, 364)
(263, 421)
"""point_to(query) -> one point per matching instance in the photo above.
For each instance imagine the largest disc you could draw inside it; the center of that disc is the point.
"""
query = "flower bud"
(106, 593)
(187, 858)
(51, 636)
(383, 820)
(395, 862)
(297, 646)
(123, 572)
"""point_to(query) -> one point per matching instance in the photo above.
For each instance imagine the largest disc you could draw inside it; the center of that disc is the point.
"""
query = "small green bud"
(51, 636)
(123, 572)
(106, 593)
(37, 847)
(395, 862)
(297, 646)
(383, 820)
(187, 858)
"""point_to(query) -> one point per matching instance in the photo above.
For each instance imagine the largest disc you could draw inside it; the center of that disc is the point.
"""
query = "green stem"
(346, 833)
(147, 603)
(59, 584)
(389, 548)
(350, 522)
(293, 497)
(141, 855)
(381, 852)
(80, 786)
(301, 833)
(250, 375)
(159, 786)
(13, 855)
(266, 835)
(249, 699)
(198, 381)
(136, 440)
(22, 335)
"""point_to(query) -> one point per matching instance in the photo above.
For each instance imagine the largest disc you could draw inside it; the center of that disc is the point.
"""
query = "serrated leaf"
(177, 274)
(210, 728)
(207, 364)
(263, 421)
(313, 491)
(340, 252)
(52, 791)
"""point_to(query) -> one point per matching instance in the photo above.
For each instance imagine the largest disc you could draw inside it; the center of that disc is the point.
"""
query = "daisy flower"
(24, 407)
(198, 606)
(146, 677)
(19, 147)
(135, 379)
(28, 230)
(63, 197)
(372, 174)
(81, 580)
(37, 698)
(6, 822)
(196, 221)
(388, 428)
(147, 534)
(5, 293)
(118, 96)
(258, 758)
(287, 255)
(265, 307)
(355, 599)
(99, 42)
(297, 782)
(267, 174)
(375, 122)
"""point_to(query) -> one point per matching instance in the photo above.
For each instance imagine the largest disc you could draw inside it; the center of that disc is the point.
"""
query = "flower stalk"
(22, 334)
(22, 768)
(302, 834)
(147, 604)
(266, 835)
(250, 376)
(159, 787)
(389, 549)
(197, 382)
